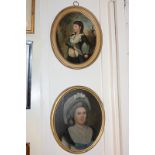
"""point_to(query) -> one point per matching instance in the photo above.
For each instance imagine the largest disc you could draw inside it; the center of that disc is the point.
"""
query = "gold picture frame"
(27, 148)
(95, 118)
(30, 16)
(92, 37)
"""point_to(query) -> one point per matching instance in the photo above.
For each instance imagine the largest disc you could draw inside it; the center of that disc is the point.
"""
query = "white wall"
(33, 116)
(107, 76)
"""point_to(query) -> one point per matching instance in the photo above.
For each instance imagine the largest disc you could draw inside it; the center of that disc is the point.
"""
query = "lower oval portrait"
(77, 119)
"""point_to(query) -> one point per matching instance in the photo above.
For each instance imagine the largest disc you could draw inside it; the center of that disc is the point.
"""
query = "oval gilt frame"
(98, 31)
(52, 118)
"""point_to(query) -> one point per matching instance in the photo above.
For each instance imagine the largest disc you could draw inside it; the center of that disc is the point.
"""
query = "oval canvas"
(77, 119)
(76, 37)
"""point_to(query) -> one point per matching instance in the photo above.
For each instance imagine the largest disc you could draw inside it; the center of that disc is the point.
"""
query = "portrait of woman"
(78, 135)
(77, 120)
(76, 37)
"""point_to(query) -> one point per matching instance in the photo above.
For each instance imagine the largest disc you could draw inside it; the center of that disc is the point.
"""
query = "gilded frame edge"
(31, 31)
(99, 35)
(27, 148)
(52, 118)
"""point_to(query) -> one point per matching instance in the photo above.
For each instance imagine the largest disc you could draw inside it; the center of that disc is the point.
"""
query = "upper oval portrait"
(76, 37)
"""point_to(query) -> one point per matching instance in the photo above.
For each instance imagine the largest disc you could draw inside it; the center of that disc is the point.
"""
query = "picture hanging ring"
(76, 3)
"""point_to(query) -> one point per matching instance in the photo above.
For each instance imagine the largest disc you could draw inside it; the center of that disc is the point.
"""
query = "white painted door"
(107, 76)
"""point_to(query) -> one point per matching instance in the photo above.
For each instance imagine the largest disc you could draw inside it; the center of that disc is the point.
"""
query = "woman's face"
(76, 28)
(80, 116)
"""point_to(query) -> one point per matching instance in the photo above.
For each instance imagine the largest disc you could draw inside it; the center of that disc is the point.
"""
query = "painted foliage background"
(65, 30)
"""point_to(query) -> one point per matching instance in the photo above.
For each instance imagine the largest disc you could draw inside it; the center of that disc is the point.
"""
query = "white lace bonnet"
(73, 102)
